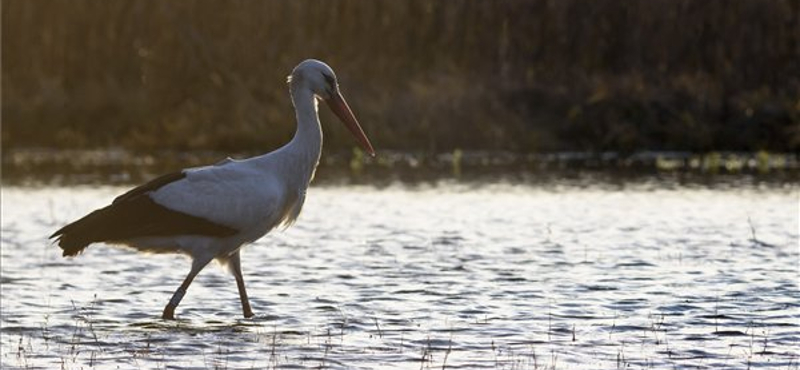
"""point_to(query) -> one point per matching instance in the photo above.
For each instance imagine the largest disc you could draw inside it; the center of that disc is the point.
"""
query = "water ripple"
(494, 276)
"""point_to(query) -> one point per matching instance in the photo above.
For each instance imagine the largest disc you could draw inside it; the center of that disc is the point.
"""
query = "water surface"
(507, 276)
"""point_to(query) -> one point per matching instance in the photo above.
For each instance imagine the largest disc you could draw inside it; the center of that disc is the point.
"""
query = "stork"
(210, 212)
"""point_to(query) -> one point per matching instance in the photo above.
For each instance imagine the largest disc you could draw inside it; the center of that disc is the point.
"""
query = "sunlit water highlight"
(443, 276)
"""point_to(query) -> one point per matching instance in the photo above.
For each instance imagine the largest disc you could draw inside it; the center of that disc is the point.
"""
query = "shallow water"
(510, 276)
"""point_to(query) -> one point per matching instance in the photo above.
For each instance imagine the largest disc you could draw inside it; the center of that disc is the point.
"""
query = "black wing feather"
(135, 215)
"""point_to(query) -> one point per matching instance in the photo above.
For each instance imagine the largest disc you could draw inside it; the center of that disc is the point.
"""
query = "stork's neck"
(306, 145)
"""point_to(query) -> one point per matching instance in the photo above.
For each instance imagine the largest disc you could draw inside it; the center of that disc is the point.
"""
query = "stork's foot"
(248, 314)
(169, 313)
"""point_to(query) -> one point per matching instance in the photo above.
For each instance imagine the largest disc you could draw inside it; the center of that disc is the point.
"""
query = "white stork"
(211, 212)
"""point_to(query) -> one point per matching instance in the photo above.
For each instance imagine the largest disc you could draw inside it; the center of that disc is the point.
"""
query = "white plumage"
(211, 212)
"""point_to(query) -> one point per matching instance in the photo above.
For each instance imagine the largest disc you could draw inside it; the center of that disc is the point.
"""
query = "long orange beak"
(340, 108)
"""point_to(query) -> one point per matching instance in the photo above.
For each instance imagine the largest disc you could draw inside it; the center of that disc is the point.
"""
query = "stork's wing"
(238, 195)
(151, 185)
(135, 215)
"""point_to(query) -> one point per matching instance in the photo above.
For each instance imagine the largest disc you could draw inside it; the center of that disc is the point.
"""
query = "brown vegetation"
(421, 75)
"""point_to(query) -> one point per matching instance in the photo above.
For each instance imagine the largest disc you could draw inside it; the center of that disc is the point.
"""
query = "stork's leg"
(235, 265)
(169, 311)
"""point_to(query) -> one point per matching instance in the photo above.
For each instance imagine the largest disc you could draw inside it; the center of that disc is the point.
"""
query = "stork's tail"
(75, 237)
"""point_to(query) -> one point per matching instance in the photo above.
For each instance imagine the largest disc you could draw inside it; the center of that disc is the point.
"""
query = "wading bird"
(211, 212)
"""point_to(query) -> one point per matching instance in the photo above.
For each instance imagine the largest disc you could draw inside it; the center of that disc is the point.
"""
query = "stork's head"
(316, 76)
(319, 78)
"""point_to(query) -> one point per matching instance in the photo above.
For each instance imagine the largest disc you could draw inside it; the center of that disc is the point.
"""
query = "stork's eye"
(330, 80)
